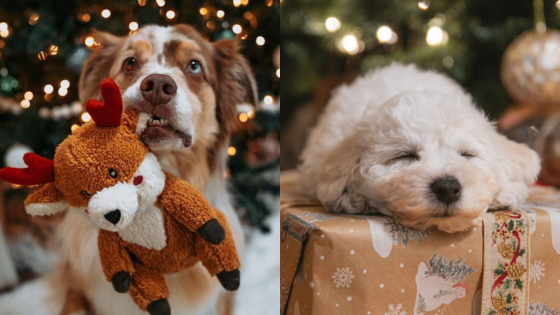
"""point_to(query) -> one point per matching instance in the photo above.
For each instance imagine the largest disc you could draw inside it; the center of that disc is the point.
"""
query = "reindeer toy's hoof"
(151, 222)
(159, 307)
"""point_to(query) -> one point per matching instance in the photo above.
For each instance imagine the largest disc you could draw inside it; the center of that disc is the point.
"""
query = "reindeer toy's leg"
(221, 260)
(149, 291)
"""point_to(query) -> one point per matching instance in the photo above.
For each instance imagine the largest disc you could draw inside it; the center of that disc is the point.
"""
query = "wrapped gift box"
(348, 264)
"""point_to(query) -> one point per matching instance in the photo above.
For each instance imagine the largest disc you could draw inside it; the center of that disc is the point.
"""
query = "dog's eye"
(194, 67)
(468, 154)
(130, 64)
(113, 173)
(408, 157)
(85, 193)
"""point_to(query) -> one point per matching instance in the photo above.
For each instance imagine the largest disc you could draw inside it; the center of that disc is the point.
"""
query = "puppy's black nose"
(447, 189)
(114, 216)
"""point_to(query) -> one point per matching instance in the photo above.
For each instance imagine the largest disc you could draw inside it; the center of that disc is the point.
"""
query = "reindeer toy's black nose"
(447, 189)
(114, 216)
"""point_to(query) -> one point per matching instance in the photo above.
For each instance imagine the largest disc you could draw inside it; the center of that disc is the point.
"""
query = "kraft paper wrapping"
(345, 264)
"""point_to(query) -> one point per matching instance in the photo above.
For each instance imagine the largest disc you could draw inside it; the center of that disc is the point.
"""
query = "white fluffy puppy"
(411, 144)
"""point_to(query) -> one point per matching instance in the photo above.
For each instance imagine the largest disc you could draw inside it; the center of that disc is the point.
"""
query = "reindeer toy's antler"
(40, 171)
(109, 112)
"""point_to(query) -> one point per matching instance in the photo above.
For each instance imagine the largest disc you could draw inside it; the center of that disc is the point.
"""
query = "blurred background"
(43, 45)
(504, 52)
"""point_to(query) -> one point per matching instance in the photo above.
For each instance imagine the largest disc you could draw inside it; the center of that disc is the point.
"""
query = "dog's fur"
(205, 109)
(351, 161)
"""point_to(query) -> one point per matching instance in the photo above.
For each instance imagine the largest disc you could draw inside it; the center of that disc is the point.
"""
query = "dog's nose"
(447, 189)
(114, 216)
(158, 89)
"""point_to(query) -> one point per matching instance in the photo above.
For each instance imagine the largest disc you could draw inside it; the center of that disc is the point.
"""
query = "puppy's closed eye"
(468, 154)
(406, 156)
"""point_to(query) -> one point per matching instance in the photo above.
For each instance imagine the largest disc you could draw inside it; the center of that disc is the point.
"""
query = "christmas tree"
(329, 42)
(43, 45)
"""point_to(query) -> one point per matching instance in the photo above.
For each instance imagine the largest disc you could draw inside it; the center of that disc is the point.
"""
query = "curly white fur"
(349, 162)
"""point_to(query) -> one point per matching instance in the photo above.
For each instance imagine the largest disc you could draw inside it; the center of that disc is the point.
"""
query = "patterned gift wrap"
(371, 265)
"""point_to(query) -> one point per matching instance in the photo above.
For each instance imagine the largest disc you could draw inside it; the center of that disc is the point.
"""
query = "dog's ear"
(99, 64)
(334, 179)
(517, 167)
(234, 84)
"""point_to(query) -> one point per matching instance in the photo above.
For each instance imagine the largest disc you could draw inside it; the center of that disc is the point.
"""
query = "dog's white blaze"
(147, 229)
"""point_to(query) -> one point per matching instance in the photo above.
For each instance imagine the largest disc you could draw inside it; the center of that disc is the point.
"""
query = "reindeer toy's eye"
(113, 173)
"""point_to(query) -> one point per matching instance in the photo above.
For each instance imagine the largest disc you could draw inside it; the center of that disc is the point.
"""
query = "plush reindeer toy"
(151, 222)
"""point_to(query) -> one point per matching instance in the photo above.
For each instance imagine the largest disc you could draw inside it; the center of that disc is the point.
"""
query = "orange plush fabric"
(151, 223)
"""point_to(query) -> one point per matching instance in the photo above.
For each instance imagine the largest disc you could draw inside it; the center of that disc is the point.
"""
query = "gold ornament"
(531, 68)
(501, 217)
(516, 270)
(506, 250)
(499, 303)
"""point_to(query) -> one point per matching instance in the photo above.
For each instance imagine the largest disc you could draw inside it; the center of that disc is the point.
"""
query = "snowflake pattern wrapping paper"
(370, 265)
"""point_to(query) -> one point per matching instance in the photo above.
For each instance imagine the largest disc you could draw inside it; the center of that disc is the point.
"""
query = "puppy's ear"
(335, 180)
(517, 167)
(99, 64)
(234, 84)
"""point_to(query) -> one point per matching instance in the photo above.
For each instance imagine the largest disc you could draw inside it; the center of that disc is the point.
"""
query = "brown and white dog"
(187, 90)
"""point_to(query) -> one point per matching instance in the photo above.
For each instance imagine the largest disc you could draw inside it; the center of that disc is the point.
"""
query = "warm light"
(170, 14)
(160, 3)
(25, 104)
(42, 55)
(270, 2)
(33, 19)
(268, 100)
(423, 5)
(237, 28)
(558, 4)
(243, 117)
(85, 117)
(74, 127)
(62, 91)
(248, 15)
(278, 73)
(141, 3)
(86, 17)
(220, 14)
(210, 25)
(65, 84)
(236, 3)
(89, 41)
(332, 24)
(203, 11)
(350, 44)
(436, 36)
(28, 95)
(384, 34)
(260, 41)
(4, 31)
(53, 50)
(251, 114)
(231, 151)
(133, 26)
(48, 89)
(106, 13)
